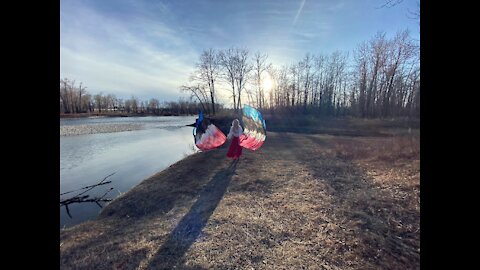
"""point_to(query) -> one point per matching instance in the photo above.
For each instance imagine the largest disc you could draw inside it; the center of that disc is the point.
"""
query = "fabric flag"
(207, 135)
(254, 130)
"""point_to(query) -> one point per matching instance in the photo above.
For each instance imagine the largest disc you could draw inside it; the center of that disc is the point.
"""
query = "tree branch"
(390, 3)
(80, 198)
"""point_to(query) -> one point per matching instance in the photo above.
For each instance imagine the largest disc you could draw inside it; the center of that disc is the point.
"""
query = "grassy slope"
(309, 198)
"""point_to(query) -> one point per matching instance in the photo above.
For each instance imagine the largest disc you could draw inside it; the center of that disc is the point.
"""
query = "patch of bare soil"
(302, 201)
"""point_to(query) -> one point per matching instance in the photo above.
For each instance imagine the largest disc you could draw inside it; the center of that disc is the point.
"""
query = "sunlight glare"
(267, 83)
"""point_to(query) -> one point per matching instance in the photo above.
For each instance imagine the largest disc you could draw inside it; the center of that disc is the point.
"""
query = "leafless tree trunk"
(227, 61)
(134, 104)
(294, 74)
(64, 85)
(208, 71)
(235, 71)
(259, 67)
(98, 102)
(378, 54)
(243, 69)
(306, 65)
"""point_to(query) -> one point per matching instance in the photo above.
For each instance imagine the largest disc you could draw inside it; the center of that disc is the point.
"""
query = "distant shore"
(114, 114)
(98, 128)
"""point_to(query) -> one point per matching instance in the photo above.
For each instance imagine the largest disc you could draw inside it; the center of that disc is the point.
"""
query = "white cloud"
(101, 75)
(141, 57)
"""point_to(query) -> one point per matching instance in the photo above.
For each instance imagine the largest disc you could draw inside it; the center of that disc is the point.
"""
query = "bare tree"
(295, 74)
(306, 67)
(134, 104)
(87, 102)
(70, 96)
(259, 67)
(273, 94)
(128, 105)
(73, 99)
(399, 51)
(320, 62)
(377, 57)
(340, 78)
(199, 92)
(81, 91)
(154, 105)
(279, 95)
(227, 61)
(98, 102)
(208, 70)
(282, 87)
(243, 69)
(235, 72)
(388, 64)
(64, 100)
(361, 58)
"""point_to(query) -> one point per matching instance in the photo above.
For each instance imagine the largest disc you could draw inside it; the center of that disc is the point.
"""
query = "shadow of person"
(170, 254)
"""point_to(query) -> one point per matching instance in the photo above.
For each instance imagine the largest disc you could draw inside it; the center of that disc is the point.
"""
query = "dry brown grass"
(302, 201)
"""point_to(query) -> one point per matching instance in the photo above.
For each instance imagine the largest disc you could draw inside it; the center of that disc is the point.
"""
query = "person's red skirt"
(235, 150)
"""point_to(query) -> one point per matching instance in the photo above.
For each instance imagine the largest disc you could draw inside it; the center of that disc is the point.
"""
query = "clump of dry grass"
(391, 206)
(389, 149)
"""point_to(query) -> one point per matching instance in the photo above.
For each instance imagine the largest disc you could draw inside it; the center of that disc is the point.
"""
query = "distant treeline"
(76, 100)
(381, 80)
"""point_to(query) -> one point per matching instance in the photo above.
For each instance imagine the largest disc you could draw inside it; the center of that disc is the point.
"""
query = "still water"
(133, 148)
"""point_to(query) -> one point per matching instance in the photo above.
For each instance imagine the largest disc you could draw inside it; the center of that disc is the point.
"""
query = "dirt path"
(302, 201)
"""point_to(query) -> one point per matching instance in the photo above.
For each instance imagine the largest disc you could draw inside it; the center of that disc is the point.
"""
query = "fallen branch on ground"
(80, 198)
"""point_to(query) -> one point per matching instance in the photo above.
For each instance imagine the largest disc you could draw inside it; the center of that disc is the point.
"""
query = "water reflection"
(132, 155)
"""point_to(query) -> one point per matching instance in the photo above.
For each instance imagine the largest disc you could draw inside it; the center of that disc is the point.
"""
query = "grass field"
(319, 194)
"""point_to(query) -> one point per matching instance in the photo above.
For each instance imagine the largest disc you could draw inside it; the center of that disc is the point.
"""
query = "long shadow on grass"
(338, 126)
(352, 132)
(171, 253)
(122, 219)
(360, 202)
(327, 126)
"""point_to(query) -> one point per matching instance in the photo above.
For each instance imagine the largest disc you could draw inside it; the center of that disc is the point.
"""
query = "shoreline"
(133, 150)
(88, 115)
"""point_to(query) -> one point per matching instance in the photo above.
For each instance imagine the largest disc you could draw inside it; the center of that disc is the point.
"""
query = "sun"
(267, 82)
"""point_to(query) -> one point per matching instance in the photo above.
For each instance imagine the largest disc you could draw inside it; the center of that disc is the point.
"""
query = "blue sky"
(148, 48)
